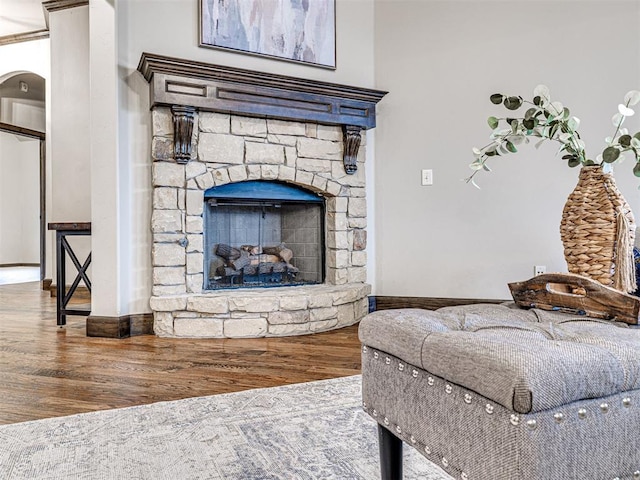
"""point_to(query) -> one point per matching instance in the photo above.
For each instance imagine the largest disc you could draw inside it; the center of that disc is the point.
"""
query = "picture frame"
(290, 30)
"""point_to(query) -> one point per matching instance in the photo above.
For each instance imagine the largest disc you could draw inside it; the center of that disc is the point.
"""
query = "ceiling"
(21, 16)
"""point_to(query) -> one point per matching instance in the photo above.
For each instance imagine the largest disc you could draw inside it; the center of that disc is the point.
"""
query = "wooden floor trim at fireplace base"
(379, 302)
(120, 327)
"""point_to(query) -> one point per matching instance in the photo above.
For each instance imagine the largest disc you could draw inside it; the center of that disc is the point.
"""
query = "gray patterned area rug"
(313, 430)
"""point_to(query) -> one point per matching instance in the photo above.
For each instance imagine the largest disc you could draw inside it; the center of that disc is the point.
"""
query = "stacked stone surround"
(226, 149)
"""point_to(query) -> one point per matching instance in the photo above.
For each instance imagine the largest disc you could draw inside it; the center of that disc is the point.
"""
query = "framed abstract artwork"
(293, 30)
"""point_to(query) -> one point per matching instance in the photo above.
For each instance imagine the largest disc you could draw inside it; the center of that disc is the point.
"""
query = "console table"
(63, 230)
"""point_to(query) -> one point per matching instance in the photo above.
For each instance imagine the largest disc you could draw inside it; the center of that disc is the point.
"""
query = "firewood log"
(240, 262)
(280, 250)
(226, 251)
(252, 249)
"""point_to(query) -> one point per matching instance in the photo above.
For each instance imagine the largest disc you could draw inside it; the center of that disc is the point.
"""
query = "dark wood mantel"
(187, 86)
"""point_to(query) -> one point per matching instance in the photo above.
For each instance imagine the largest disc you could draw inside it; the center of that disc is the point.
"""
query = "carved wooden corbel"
(182, 131)
(352, 139)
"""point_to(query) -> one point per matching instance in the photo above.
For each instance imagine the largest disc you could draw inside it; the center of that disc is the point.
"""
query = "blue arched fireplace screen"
(262, 234)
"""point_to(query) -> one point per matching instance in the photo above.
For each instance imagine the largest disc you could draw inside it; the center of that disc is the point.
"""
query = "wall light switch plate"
(427, 177)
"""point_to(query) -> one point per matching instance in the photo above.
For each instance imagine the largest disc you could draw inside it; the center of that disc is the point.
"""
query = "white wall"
(19, 199)
(441, 61)
(170, 27)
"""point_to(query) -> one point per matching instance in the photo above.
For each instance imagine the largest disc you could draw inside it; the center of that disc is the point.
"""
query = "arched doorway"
(22, 174)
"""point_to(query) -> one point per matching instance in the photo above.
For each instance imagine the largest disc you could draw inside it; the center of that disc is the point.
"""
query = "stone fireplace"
(219, 133)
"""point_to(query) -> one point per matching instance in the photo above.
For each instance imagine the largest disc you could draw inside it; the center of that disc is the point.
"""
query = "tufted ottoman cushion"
(497, 392)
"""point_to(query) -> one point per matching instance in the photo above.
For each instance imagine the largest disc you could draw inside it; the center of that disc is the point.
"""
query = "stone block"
(162, 148)
(283, 127)
(201, 327)
(167, 174)
(282, 140)
(324, 313)
(359, 239)
(195, 262)
(237, 173)
(211, 122)
(337, 204)
(336, 221)
(361, 308)
(163, 324)
(194, 243)
(168, 304)
(254, 172)
(359, 259)
(245, 327)
(167, 290)
(314, 165)
(221, 176)
(337, 276)
(205, 181)
(165, 198)
(195, 202)
(318, 182)
(208, 304)
(253, 304)
(195, 169)
(311, 130)
(357, 274)
(321, 300)
(357, 207)
(294, 302)
(288, 330)
(323, 325)
(338, 258)
(286, 174)
(221, 148)
(337, 240)
(304, 178)
(330, 132)
(194, 224)
(166, 221)
(357, 223)
(194, 283)
(182, 195)
(291, 156)
(333, 188)
(162, 121)
(322, 149)
(264, 153)
(269, 172)
(346, 315)
(249, 126)
(357, 192)
(285, 318)
(168, 276)
(346, 295)
(168, 255)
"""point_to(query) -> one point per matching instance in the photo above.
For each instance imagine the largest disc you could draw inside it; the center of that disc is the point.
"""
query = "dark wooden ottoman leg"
(390, 455)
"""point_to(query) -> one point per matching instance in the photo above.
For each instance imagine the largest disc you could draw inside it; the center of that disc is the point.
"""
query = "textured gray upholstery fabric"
(524, 360)
(473, 438)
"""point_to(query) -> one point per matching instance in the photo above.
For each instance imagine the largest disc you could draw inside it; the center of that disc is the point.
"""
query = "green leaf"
(574, 162)
(625, 140)
(493, 122)
(537, 100)
(513, 103)
(530, 113)
(589, 163)
(496, 98)
(511, 147)
(566, 113)
(610, 154)
(636, 169)
(530, 123)
(637, 135)
(632, 97)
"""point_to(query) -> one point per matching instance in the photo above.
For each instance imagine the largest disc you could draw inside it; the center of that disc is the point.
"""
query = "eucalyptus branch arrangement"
(550, 120)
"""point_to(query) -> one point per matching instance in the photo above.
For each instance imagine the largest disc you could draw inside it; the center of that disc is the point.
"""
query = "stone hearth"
(213, 148)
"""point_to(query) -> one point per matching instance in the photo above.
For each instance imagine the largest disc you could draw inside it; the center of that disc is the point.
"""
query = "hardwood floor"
(47, 371)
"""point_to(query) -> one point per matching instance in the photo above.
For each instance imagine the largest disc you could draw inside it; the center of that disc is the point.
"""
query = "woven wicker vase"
(598, 231)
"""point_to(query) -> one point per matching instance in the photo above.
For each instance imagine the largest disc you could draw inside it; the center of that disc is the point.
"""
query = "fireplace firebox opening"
(263, 234)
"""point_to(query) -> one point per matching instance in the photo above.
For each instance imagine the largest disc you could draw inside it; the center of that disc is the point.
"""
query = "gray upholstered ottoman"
(493, 392)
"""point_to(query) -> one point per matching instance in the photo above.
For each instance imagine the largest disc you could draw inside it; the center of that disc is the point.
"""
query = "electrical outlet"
(539, 270)
(427, 177)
